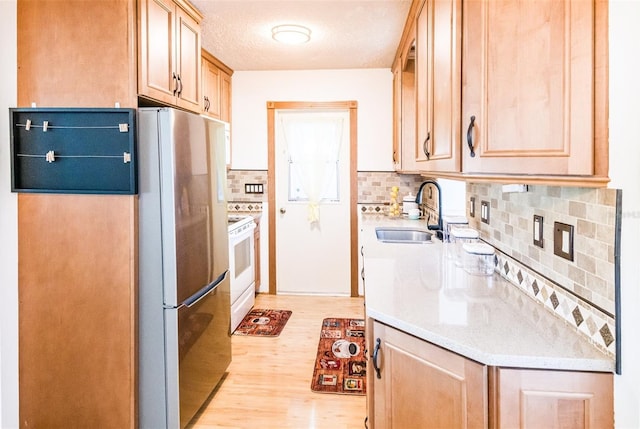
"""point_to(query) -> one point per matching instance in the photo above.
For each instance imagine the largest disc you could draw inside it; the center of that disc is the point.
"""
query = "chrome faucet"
(438, 226)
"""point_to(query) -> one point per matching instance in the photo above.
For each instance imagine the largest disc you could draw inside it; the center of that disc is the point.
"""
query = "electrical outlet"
(472, 207)
(563, 240)
(484, 212)
(538, 221)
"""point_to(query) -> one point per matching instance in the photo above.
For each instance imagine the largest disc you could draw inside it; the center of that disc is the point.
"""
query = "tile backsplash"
(373, 186)
(592, 213)
(236, 181)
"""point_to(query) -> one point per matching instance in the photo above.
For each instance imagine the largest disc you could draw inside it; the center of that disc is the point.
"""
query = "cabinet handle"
(175, 83)
(425, 148)
(179, 86)
(375, 358)
(206, 103)
(470, 136)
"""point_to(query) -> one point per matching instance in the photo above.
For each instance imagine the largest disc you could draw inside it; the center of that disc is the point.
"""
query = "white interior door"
(312, 202)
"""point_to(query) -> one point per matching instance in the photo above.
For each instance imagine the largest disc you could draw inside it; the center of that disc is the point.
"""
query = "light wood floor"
(268, 384)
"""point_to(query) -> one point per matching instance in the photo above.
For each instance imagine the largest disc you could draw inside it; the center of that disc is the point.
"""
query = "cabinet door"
(423, 386)
(211, 88)
(528, 82)
(551, 399)
(188, 61)
(424, 81)
(397, 115)
(225, 97)
(438, 85)
(404, 108)
(157, 77)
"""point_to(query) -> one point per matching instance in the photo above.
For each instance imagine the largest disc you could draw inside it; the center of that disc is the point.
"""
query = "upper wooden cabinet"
(534, 78)
(404, 109)
(528, 82)
(438, 63)
(169, 53)
(216, 88)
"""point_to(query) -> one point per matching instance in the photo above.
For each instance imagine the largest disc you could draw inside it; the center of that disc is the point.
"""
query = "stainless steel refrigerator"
(183, 300)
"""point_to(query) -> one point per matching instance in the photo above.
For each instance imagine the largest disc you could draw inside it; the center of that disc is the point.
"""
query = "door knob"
(283, 210)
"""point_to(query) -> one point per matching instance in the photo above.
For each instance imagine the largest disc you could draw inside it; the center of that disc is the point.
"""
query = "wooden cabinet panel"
(552, 399)
(76, 53)
(77, 310)
(210, 88)
(188, 61)
(157, 60)
(422, 385)
(528, 79)
(225, 97)
(397, 116)
(438, 68)
(404, 109)
(216, 88)
(424, 82)
(169, 53)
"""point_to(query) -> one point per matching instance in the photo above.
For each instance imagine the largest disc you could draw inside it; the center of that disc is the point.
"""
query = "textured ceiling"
(344, 33)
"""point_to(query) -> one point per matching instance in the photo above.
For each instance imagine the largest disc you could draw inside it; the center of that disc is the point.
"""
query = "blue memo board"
(73, 150)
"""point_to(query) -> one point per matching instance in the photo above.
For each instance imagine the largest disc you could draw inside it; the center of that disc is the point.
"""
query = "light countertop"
(417, 289)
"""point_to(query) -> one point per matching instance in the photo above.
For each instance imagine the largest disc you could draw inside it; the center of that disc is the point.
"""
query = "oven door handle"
(193, 299)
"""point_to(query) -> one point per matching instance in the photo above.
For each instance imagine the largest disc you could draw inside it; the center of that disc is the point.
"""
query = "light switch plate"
(563, 240)
(484, 211)
(538, 222)
(472, 207)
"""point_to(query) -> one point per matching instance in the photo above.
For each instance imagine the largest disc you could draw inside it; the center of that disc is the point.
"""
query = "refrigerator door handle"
(204, 291)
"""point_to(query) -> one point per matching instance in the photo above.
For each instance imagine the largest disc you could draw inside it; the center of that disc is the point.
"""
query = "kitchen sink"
(402, 235)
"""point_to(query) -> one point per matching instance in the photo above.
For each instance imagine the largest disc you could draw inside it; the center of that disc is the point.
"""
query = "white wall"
(624, 170)
(371, 88)
(8, 226)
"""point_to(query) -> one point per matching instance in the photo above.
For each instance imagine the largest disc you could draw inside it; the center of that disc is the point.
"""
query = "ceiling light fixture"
(291, 34)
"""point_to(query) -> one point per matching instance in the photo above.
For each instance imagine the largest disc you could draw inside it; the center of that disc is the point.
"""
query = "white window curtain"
(313, 142)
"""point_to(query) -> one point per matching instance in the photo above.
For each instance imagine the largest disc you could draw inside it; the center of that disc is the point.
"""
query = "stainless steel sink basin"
(402, 235)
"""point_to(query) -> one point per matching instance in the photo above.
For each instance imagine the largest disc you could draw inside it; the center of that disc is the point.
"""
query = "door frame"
(352, 107)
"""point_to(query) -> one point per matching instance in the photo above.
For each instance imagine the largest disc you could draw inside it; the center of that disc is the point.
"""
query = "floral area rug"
(263, 323)
(340, 365)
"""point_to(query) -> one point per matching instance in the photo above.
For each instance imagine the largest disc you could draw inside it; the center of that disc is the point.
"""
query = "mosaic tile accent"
(588, 321)
(243, 207)
(373, 208)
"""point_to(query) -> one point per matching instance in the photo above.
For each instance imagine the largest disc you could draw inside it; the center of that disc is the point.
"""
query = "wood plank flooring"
(268, 384)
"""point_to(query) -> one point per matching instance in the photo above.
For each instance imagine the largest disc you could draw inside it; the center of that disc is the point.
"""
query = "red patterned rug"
(263, 323)
(340, 363)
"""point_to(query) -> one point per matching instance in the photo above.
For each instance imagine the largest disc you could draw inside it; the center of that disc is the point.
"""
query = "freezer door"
(194, 204)
(199, 345)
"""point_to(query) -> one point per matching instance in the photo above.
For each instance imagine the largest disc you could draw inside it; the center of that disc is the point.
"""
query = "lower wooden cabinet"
(422, 385)
(412, 383)
(551, 399)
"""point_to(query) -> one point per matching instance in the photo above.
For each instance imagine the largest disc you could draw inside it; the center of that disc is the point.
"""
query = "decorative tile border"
(244, 207)
(590, 322)
(373, 208)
